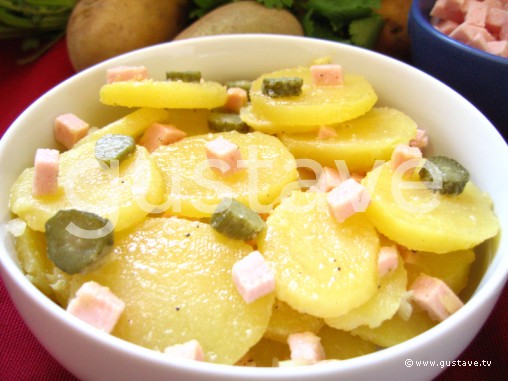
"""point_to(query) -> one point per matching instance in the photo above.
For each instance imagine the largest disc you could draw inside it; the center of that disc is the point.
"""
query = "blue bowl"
(482, 78)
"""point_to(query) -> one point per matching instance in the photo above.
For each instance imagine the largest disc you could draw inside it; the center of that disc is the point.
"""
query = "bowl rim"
(480, 297)
(422, 19)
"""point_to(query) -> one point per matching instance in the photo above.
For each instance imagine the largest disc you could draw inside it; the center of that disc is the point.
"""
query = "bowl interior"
(455, 127)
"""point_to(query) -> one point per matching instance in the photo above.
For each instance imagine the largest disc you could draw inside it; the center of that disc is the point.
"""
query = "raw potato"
(244, 17)
(101, 29)
(174, 276)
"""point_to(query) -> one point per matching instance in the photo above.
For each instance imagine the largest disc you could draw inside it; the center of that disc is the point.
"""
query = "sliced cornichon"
(235, 220)
(77, 240)
(282, 86)
(451, 176)
(114, 147)
(241, 83)
(184, 76)
(224, 121)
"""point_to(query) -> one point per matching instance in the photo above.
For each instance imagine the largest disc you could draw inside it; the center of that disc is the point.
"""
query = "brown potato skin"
(101, 29)
(243, 17)
(393, 39)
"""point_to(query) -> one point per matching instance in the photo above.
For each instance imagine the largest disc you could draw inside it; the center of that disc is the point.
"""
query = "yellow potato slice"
(286, 321)
(266, 353)
(420, 219)
(191, 121)
(164, 94)
(396, 330)
(195, 189)
(317, 105)
(174, 276)
(49, 279)
(263, 125)
(132, 124)
(124, 194)
(453, 268)
(359, 142)
(323, 268)
(341, 345)
(382, 306)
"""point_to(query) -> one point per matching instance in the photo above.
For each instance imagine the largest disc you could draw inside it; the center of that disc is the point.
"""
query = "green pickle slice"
(282, 86)
(241, 83)
(114, 147)
(77, 240)
(184, 76)
(223, 122)
(235, 220)
(452, 176)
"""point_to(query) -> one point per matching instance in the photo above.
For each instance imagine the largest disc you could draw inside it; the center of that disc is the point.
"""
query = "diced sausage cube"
(326, 132)
(160, 134)
(236, 99)
(476, 13)
(403, 153)
(387, 260)
(69, 129)
(327, 75)
(347, 199)
(466, 32)
(327, 180)
(223, 155)
(253, 277)
(191, 350)
(446, 26)
(499, 48)
(448, 10)
(46, 168)
(421, 139)
(126, 73)
(97, 306)
(305, 348)
(495, 20)
(434, 296)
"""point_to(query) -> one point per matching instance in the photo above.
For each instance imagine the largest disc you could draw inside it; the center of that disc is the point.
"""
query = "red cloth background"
(22, 358)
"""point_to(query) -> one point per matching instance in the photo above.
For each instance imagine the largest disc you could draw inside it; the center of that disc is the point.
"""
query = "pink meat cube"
(253, 277)
(434, 296)
(495, 19)
(97, 306)
(191, 350)
(387, 260)
(305, 348)
(327, 75)
(327, 180)
(236, 99)
(126, 73)
(160, 134)
(69, 129)
(466, 32)
(503, 31)
(46, 167)
(347, 199)
(448, 10)
(326, 132)
(499, 48)
(476, 14)
(403, 153)
(446, 26)
(223, 155)
(421, 139)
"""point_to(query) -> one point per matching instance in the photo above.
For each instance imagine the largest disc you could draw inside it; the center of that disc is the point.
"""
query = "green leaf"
(364, 32)
(276, 3)
(340, 10)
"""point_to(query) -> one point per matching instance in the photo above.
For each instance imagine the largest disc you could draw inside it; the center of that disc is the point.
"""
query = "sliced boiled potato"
(420, 219)
(257, 123)
(266, 353)
(286, 321)
(453, 268)
(382, 306)
(358, 142)
(164, 94)
(191, 121)
(49, 279)
(132, 124)
(323, 268)
(174, 276)
(317, 105)
(195, 189)
(124, 194)
(341, 345)
(396, 330)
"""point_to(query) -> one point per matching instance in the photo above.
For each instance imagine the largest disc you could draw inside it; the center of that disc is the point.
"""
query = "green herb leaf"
(343, 9)
(365, 31)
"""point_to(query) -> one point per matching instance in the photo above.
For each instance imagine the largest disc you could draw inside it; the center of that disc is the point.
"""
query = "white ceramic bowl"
(456, 129)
